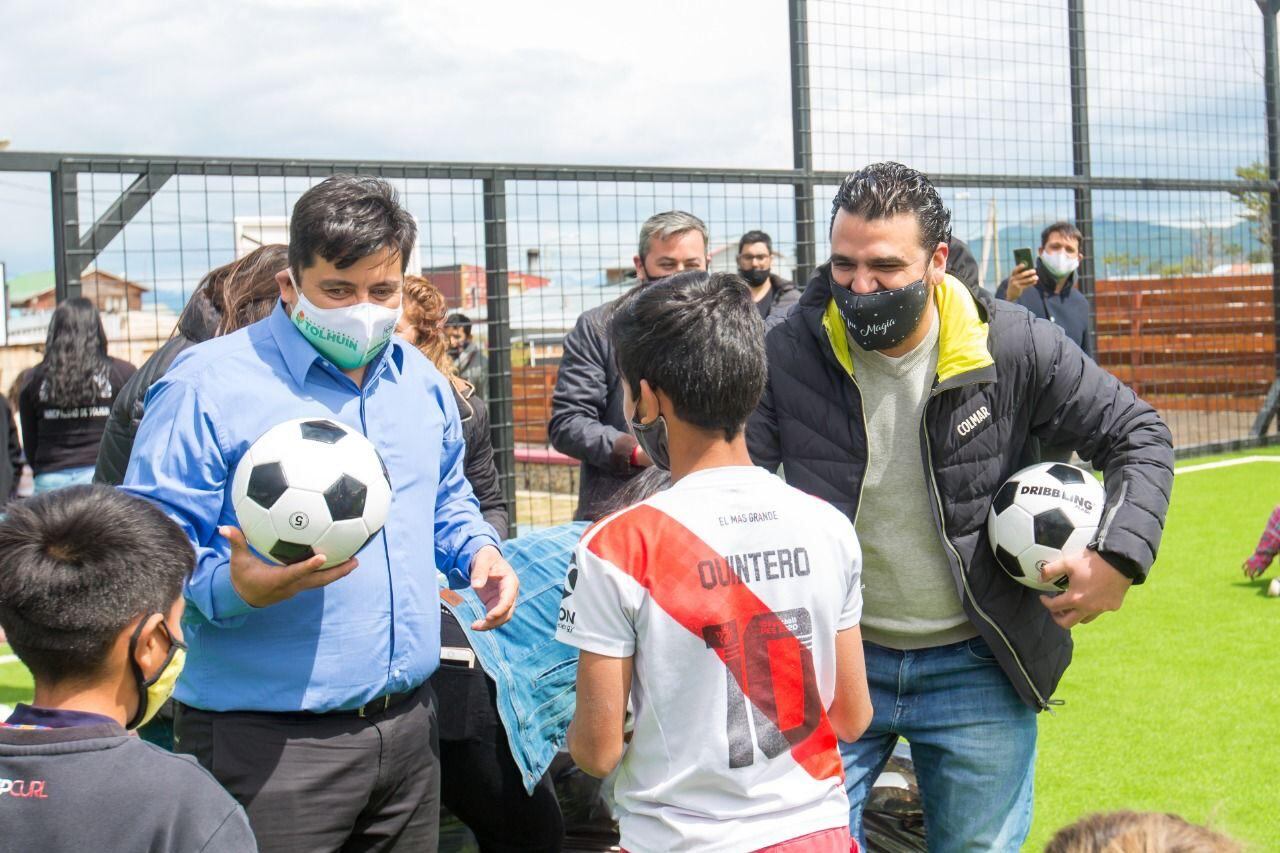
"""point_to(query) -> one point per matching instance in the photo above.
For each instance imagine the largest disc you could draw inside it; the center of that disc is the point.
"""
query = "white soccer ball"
(1041, 513)
(310, 486)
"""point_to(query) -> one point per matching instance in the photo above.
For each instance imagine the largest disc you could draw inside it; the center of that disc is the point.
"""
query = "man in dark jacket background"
(1050, 290)
(907, 399)
(774, 295)
(587, 422)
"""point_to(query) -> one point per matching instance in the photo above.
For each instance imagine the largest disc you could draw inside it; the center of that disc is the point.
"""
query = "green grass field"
(15, 681)
(1171, 703)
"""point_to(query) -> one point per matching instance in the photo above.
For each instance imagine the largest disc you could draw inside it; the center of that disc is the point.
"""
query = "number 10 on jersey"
(770, 665)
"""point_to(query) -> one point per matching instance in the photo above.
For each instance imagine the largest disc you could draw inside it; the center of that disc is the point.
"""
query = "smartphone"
(1023, 256)
(452, 656)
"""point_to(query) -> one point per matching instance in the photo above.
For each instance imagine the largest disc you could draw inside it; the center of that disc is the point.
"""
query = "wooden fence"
(1201, 343)
(1190, 343)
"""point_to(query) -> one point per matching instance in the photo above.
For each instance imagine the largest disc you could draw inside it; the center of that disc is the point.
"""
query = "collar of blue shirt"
(299, 355)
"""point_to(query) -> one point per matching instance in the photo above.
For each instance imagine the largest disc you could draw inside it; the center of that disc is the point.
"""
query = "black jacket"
(198, 322)
(1068, 308)
(479, 467)
(962, 265)
(785, 295)
(1031, 381)
(58, 438)
(11, 467)
(587, 421)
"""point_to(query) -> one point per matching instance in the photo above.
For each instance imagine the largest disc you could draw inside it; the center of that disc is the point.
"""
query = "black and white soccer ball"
(1040, 513)
(310, 486)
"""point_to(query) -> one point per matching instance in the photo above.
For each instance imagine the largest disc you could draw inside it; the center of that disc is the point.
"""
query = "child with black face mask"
(91, 601)
(726, 608)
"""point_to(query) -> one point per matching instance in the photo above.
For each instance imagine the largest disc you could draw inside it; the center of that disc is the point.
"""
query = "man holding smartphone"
(1047, 286)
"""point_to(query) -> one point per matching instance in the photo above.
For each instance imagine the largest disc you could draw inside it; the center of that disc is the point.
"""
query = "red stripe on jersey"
(662, 555)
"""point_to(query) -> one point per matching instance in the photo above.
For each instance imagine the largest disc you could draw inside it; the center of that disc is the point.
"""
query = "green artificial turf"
(1170, 704)
(15, 681)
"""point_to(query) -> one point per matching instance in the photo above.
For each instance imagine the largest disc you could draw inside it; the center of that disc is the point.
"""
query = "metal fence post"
(65, 204)
(802, 141)
(501, 386)
(1271, 88)
(1080, 161)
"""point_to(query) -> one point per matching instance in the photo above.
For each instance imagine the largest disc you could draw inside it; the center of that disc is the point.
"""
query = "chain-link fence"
(1149, 123)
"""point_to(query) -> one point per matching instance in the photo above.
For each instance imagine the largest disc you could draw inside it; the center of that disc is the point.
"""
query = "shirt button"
(396, 673)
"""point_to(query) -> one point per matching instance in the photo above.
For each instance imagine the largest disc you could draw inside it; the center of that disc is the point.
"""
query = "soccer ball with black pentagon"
(310, 486)
(1039, 514)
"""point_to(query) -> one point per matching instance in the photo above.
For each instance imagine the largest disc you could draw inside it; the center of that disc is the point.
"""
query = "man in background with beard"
(587, 422)
(773, 295)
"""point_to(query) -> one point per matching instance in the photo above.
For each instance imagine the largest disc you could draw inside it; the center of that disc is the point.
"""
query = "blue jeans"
(51, 480)
(973, 743)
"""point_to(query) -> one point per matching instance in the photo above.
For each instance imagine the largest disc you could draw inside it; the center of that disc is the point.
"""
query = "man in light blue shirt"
(305, 691)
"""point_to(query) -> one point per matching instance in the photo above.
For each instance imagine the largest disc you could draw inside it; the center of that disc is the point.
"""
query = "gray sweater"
(910, 598)
(97, 787)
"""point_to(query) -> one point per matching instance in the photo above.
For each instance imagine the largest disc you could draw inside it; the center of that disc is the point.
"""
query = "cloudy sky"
(1175, 86)
(483, 80)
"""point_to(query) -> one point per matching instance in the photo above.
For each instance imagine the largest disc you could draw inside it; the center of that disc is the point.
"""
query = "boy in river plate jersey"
(726, 608)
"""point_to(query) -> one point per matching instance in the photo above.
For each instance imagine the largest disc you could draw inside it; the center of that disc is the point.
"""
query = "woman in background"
(66, 401)
(422, 325)
(11, 466)
(228, 298)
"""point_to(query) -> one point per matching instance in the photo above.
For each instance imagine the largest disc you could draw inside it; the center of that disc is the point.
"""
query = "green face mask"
(351, 336)
(155, 691)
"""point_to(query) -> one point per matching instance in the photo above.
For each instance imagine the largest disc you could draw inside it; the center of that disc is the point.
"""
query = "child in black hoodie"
(91, 601)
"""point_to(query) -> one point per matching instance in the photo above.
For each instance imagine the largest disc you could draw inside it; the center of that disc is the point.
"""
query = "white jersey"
(728, 589)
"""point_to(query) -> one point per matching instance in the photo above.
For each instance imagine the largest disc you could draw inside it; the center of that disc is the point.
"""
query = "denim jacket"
(535, 673)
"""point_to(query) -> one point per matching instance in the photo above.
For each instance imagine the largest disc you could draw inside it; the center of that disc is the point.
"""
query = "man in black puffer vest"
(906, 400)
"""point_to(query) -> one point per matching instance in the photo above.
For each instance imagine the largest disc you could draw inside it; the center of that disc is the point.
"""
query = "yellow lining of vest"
(962, 336)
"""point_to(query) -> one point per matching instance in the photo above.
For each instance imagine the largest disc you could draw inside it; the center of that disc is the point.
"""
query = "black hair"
(699, 339)
(1066, 229)
(884, 190)
(348, 217)
(755, 237)
(78, 565)
(642, 486)
(459, 321)
(77, 369)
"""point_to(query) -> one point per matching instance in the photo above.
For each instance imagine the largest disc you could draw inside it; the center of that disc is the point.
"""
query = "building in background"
(37, 291)
(463, 285)
(134, 330)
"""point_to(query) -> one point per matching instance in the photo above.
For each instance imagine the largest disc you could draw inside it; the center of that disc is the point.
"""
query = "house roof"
(30, 285)
(27, 285)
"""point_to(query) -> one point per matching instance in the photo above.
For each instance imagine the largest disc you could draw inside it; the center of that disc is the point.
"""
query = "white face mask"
(351, 336)
(1060, 264)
